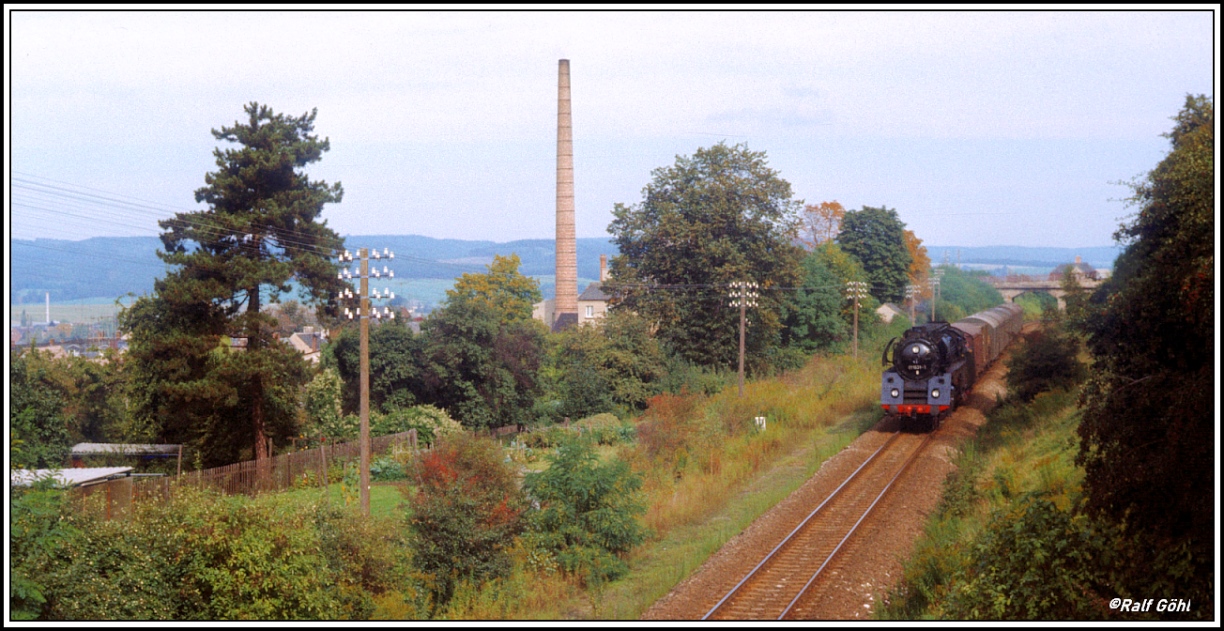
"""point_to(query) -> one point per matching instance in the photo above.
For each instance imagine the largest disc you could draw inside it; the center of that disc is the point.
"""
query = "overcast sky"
(980, 128)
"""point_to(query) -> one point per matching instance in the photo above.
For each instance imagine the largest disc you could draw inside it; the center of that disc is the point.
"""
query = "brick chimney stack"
(567, 247)
(603, 267)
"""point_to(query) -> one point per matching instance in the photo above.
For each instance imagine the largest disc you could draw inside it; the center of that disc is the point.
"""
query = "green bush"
(465, 513)
(604, 429)
(202, 557)
(387, 469)
(545, 438)
(1047, 359)
(371, 564)
(683, 377)
(1033, 562)
(37, 538)
(430, 422)
(588, 513)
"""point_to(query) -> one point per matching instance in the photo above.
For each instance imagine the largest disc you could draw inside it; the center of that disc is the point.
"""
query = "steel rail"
(800, 526)
(854, 528)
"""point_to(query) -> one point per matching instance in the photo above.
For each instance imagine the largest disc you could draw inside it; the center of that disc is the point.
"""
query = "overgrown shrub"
(321, 399)
(683, 377)
(203, 557)
(387, 469)
(465, 512)
(371, 563)
(1047, 359)
(544, 438)
(604, 429)
(1033, 562)
(669, 430)
(430, 422)
(588, 513)
(37, 538)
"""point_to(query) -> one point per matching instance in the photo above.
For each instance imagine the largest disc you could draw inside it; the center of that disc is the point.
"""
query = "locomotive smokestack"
(567, 248)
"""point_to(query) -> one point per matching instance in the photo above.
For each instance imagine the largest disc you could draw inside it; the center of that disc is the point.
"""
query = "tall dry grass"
(693, 449)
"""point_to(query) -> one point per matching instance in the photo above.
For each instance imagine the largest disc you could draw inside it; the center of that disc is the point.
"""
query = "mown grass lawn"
(385, 498)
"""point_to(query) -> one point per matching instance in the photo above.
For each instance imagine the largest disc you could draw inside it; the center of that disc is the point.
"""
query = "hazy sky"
(980, 128)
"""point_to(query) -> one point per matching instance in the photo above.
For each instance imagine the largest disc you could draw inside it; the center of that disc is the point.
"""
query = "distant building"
(888, 311)
(1079, 269)
(308, 342)
(544, 311)
(56, 351)
(592, 304)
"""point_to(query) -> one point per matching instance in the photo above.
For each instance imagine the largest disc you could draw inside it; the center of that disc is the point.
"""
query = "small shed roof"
(66, 477)
(120, 449)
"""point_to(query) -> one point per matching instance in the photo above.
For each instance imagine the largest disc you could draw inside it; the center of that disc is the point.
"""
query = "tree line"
(713, 218)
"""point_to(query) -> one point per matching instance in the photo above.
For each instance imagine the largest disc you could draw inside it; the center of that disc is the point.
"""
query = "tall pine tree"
(260, 236)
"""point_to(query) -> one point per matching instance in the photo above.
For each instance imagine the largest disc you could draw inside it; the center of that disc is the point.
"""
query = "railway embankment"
(871, 561)
(1003, 541)
(1010, 538)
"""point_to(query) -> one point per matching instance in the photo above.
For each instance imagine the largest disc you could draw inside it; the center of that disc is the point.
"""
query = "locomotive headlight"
(894, 393)
(935, 393)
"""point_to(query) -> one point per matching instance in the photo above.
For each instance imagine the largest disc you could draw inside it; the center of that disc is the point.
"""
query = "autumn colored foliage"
(465, 513)
(822, 222)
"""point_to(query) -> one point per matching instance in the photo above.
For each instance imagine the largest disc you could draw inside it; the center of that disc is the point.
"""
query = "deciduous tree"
(876, 237)
(38, 418)
(821, 222)
(397, 361)
(814, 318)
(614, 366)
(502, 288)
(920, 263)
(482, 370)
(1149, 429)
(719, 216)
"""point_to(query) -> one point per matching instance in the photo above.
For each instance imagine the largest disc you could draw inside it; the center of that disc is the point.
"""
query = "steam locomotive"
(933, 366)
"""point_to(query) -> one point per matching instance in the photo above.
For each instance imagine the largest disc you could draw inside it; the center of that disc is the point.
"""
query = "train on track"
(932, 367)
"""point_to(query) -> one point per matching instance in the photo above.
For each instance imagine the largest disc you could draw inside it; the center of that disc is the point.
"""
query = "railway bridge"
(1013, 286)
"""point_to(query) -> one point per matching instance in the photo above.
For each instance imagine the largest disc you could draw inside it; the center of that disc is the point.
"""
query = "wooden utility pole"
(935, 291)
(856, 290)
(364, 313)
(743, 295)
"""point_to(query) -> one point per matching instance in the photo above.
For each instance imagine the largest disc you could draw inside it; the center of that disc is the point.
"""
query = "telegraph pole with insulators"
(935, 290)
(743, 295)
(363, 314)
(856, 290)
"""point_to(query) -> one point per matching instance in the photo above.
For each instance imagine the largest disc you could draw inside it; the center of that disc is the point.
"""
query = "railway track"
(792, 571)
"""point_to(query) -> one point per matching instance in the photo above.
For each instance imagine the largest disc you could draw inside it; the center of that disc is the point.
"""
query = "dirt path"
(871, 564)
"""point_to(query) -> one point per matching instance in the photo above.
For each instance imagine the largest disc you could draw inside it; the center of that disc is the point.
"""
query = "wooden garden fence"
(278, 473)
